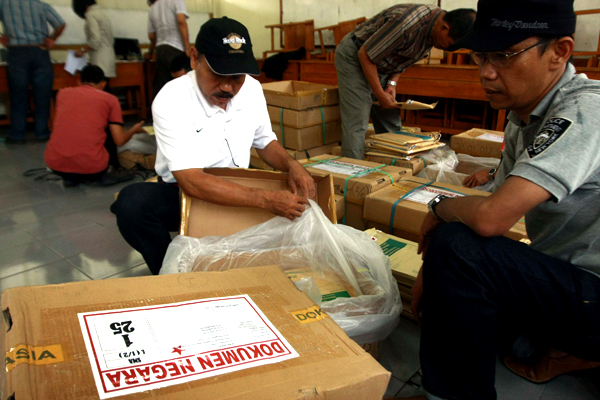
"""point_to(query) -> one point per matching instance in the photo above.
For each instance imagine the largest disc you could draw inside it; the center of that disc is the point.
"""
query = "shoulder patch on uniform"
(550, 132)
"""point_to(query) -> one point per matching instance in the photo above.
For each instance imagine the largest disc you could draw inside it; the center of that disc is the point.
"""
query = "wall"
(254, 14)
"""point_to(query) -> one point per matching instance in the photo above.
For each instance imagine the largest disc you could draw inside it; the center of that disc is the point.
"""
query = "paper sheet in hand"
(139, 349)
(74, 63)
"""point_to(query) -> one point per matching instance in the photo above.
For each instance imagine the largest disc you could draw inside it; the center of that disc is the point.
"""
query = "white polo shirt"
(192, 133)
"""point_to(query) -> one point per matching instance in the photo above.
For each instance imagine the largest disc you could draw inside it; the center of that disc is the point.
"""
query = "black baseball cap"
(227, 47)
(503, 23)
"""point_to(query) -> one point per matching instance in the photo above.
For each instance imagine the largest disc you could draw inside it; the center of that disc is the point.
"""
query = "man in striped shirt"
(28, 38)
(370, 60)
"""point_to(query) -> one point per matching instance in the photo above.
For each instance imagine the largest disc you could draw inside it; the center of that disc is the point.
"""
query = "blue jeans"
(479, 292)
(29, 66)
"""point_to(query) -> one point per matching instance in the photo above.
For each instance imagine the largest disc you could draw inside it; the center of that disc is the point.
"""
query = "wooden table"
(130, 75)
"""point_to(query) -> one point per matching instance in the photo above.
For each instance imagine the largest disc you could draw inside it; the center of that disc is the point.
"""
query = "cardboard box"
(415, 163)
(337, 151)
(304, 118)
(354, 216)
(340, 209)
(47, 356)
(357, 187)
(478, 143)
(404, 260)
(130, 160)
(258, 163)
(200, 218)
(310, 137)
(410, 214)
(299, 95)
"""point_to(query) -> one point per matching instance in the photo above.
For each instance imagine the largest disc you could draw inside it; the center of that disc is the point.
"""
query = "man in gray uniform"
(478, 289)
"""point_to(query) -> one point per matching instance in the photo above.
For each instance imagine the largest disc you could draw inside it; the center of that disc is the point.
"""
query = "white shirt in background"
(162, 20)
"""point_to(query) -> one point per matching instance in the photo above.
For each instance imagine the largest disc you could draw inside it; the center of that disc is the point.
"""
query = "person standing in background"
(98, 36)
(28, 39)
(169, 37)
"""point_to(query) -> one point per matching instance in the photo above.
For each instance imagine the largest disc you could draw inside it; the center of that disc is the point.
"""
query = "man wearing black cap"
(478, 290)
(209, 118)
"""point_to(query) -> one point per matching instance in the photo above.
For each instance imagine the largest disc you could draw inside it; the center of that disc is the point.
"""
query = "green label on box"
(391, 246)
(333, 296)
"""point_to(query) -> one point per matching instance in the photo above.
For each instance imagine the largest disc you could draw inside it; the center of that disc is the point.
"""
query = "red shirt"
(76, 144)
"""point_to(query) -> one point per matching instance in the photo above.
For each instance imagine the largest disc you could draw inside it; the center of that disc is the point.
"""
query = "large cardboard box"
(200, 218)
(299, 95)
(304, 118)
(340, 209)
(257, 162)
(357, 177)
(478, 143)
(47, 358)
(404, 260)
(310, 137)
(410, 212)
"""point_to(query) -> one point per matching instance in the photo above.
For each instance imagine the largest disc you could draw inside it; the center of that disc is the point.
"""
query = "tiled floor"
(50, 234)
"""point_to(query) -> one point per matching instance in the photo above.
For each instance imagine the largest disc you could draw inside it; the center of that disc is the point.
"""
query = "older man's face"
(217, 89)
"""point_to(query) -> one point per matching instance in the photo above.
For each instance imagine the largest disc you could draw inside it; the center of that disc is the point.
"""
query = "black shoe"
(9, 140)
(69, 183)
(114, 176)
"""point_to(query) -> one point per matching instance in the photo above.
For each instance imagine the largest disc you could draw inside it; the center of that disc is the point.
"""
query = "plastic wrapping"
(341, 260)
(140, 143)
(448, 167)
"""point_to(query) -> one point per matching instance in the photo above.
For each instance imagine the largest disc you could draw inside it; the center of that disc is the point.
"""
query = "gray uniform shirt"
(559, 150)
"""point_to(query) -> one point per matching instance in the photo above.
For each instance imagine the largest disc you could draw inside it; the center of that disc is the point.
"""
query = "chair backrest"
(344, 28)
(299, 34)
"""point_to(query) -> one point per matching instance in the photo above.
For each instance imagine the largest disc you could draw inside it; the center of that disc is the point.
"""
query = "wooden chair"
(295, 35)
(592, 61)
(339, 31)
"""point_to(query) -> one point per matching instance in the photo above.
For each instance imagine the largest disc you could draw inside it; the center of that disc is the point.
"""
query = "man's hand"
(299, 178)
(417, 294)
(386, 99)
(285, 204)
(391, 90)
(477, 179)
(148, 55)
(79, 53)
(429, 225)
(4, 40)
(48, 43)
(138, 128)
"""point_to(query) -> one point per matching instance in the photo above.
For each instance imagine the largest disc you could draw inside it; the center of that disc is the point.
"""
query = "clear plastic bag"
(339, 260)
(449, 167)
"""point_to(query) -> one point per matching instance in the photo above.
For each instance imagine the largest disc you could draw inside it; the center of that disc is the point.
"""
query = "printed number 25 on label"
(124, 329)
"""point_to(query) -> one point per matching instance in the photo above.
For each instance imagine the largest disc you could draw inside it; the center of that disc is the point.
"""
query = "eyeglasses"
(498, 58)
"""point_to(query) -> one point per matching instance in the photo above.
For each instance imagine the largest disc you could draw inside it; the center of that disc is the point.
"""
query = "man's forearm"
(57, 32)
(370, 71)
(276, 156)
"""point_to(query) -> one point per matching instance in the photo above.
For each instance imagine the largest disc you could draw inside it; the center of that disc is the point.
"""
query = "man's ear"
(194, 58)
(102, 85)
(563, 50)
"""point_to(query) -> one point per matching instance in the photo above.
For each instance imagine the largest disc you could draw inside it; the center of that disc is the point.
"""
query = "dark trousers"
(146, 213)
(164, 55)
(478, 291)
(80, 178)
(29, 66)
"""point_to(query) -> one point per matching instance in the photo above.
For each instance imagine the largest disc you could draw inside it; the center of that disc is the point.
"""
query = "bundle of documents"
(403, 143)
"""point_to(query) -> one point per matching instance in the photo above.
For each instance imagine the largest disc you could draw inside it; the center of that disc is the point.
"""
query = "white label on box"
(343, 168)
(425, 194)
(491, 137)
(140, 349)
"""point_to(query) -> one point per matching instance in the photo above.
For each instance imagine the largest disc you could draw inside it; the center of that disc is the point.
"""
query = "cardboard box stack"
(404, 261)
(243, 333)
(400, 208)
(479, 143)
(304, 116)
(354, 179)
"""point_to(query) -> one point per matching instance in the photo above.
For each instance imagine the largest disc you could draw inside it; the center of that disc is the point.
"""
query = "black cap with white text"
(503, 23)
(226, 45)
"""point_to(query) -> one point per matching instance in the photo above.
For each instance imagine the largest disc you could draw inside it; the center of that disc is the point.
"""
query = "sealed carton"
(200, 218)
(402, 207)
(304, 118)
(404, 260)
(415, 163)
(479, 143)
(258, 163)
(299, 95)
(340, 209)
(250, 335)
(309, 137)
(355, 178)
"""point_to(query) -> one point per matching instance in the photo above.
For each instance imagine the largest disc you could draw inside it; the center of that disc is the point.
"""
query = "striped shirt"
(398, 37)
(26, 21)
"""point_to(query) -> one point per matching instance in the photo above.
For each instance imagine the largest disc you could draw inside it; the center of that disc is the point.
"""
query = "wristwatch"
(492, 172)
(434, 202)
(391, 83)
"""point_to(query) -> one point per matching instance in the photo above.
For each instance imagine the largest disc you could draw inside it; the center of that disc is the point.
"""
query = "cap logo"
(496, 23)
(234, 40)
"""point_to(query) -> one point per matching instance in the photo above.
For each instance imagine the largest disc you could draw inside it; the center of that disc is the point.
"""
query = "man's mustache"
(223, 95)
